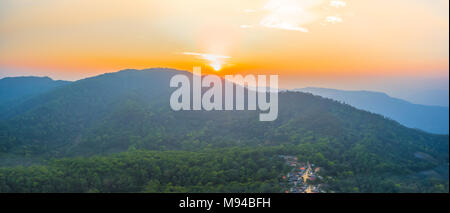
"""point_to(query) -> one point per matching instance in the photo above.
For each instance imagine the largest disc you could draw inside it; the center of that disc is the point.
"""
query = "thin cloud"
(215, 61)
(338, 4)
(289, 14)
(333, 19)
(296, 15)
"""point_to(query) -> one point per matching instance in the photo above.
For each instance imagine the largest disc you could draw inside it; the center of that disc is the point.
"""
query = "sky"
(399, 46)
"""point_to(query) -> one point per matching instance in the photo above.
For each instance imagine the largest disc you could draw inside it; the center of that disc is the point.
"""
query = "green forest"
(234, 170)
(117, 133)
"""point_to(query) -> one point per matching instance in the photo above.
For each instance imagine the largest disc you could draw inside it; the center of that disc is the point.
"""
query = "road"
(305, 176)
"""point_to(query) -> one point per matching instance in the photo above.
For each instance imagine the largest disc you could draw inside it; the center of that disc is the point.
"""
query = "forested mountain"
(434, 119)
(15, 90)
(129, 110)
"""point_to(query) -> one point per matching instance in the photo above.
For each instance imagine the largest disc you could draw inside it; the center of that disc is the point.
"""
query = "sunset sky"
(391, 46)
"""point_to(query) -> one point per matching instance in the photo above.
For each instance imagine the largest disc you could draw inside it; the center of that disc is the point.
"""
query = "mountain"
(436, 97)
(86, 121)
(14, 90)
(433, 119)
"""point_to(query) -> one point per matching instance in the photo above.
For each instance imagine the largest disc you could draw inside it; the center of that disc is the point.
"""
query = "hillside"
(130, 110)
(433, 119)
(15, 90)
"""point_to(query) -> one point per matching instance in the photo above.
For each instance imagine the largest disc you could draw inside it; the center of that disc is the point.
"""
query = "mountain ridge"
(433, 119)
(126, 110)
(16, 90)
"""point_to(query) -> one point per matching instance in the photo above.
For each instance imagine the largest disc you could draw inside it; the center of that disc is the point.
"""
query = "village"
(302, 178)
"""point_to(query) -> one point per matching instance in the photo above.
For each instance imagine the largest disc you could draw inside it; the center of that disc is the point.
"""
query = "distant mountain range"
(429, 97)
(433, 119)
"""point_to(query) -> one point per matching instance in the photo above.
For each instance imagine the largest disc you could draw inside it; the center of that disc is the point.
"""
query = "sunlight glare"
(215, 61)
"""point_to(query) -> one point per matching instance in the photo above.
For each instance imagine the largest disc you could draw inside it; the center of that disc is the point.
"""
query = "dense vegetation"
(129, 110)
(220, 170)
(230, 170)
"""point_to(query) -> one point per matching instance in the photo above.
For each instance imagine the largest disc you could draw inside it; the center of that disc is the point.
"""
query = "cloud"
(296, 15)
(338, 4)
(215, 61)
(290, 14)
(333, 19)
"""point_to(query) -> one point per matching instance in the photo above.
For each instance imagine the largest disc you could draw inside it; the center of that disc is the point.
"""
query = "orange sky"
(73, 39)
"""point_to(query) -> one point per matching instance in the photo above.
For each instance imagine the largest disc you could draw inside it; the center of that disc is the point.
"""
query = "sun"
(216, 66)
(215, 61)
